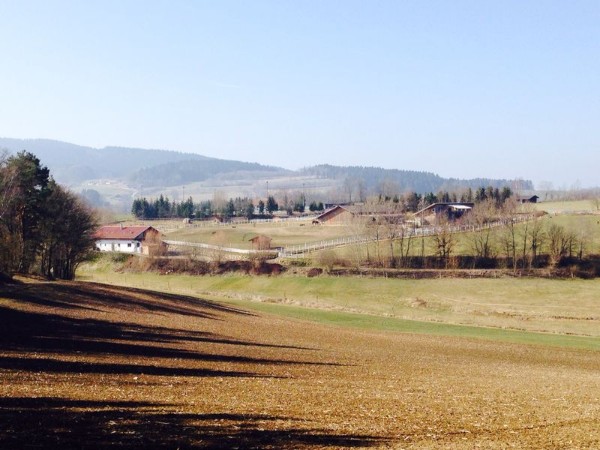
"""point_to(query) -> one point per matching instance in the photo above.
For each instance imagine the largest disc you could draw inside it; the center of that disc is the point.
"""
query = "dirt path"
(86, 366)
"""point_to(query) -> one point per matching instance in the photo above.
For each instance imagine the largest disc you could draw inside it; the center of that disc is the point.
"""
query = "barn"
(338, 215)
(450, 211)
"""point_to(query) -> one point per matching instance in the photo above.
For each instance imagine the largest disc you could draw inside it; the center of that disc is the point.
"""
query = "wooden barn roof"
(325, 214)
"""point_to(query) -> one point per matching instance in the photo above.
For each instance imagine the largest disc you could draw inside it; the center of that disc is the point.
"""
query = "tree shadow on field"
(49, 333)
(96, 297)
(75, 424)
(158, 350)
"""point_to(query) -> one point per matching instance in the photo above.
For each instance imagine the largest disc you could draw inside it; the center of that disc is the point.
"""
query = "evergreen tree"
(271, 205)
(249, 210)
(43, 228)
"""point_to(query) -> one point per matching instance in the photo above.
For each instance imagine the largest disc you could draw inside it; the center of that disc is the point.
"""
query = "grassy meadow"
(557, 307)
(567, 206)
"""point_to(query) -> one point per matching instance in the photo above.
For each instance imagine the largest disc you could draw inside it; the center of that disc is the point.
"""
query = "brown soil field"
(90, 366)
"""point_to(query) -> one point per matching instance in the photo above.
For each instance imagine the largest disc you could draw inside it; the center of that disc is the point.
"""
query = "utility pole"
(303, 198)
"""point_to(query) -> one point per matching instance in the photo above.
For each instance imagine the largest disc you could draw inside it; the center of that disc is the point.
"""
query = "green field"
(567, 206)
(567, 307)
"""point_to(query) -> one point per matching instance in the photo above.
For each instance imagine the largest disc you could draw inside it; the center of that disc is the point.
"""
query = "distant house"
(451, 211)
(135, 239)
(528, 199)
(261, 242)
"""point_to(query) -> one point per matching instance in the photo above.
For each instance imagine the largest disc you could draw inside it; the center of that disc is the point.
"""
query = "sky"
(464, 89)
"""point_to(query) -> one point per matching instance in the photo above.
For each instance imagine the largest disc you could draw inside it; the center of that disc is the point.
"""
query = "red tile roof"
(118, 232)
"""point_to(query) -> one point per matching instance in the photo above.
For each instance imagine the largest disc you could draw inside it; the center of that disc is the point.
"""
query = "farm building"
(135, 239)
(261, 242)
(343, 214)
(338, 215)
(450, 211)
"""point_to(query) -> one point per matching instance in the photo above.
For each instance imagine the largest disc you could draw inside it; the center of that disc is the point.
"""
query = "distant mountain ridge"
(190, 171)
(405, 180)
(73, 164)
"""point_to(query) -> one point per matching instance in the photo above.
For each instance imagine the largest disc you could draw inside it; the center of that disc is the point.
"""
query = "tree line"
(413, 201)
(44, 228)
(498, 232)
(163, 208)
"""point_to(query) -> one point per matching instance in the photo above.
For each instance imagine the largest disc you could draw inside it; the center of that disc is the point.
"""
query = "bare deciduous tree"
(508, 234)
(536, 238)
(444, 240)
(560, 242)
(483, 235)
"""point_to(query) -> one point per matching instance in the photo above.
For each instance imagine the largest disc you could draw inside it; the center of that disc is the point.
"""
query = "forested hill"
(374, 178)
(72, 163)
(183, 172)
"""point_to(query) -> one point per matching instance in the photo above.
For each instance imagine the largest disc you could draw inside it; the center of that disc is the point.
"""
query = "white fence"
(164, 225)
(218, 248)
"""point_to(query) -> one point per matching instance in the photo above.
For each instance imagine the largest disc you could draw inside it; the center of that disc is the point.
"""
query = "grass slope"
(486, 307)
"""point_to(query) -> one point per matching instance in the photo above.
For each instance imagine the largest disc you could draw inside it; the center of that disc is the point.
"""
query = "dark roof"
(119, 232)
(528, 197)
(329, 211)
(448, 204)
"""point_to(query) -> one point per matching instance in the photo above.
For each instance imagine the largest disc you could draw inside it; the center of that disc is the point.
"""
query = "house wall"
(119, 245)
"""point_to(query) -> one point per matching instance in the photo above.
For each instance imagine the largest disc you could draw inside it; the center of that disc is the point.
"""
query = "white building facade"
(119, 245)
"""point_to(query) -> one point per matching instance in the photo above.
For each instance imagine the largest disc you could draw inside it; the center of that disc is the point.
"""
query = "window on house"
(129, 244)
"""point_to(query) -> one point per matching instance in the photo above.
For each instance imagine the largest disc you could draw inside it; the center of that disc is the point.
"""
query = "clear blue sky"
(461, 88)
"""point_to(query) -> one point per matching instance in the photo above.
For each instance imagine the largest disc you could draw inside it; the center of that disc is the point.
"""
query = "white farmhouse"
(135, 239)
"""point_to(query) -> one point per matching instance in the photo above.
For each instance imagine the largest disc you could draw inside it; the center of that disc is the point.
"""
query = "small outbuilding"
(261, 242)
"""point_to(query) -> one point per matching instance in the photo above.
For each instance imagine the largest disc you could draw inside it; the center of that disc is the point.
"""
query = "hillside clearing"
(85, 365)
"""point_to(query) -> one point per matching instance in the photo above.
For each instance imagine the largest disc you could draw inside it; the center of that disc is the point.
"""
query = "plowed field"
(92, 366)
